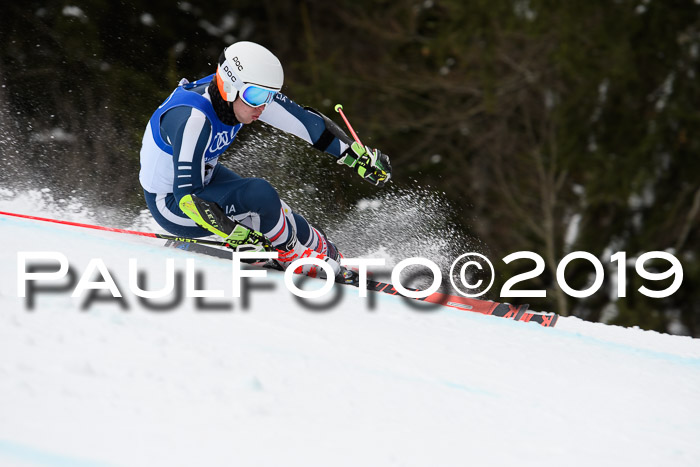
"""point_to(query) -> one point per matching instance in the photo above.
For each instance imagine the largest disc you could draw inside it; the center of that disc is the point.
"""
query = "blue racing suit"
(179, 155)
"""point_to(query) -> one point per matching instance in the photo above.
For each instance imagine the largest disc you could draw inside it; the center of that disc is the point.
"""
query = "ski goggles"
(255, 96)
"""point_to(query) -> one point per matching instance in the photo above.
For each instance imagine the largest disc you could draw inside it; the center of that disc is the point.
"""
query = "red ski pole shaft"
(339, 109)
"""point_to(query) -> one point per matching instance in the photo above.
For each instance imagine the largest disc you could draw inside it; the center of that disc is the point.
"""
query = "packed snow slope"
(281, 384)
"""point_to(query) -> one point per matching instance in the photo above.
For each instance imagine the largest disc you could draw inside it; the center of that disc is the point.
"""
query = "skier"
(190, 194)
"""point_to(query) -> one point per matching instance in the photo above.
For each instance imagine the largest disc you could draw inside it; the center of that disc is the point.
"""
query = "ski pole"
(123, 231)
(339, 109)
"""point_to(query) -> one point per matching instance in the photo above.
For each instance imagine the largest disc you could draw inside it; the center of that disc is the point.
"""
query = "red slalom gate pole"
(78, 224)
(111, 229)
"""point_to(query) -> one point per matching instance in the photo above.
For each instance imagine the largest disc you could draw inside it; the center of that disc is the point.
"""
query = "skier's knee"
(262, 195)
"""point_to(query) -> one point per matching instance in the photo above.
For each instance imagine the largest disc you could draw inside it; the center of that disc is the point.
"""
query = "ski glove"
(370, 164)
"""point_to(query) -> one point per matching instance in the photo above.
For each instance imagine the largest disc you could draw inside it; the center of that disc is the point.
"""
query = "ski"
(485, 307)
(216, 248)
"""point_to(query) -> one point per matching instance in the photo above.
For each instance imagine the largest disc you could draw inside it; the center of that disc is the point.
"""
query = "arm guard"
(331, 132)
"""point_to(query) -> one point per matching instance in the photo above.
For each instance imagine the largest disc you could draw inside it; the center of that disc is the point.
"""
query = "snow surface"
(280, 384)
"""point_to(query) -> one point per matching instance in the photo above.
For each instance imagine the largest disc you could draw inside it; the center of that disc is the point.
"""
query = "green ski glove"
(370, 164)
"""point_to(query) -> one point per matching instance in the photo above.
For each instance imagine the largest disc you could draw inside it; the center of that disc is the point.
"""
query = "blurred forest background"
(542, 126)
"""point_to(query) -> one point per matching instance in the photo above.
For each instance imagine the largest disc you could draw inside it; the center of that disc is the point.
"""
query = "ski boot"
(294, 250)
(345, 275)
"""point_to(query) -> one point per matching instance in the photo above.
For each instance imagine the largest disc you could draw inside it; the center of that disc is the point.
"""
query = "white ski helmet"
(251, 71)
